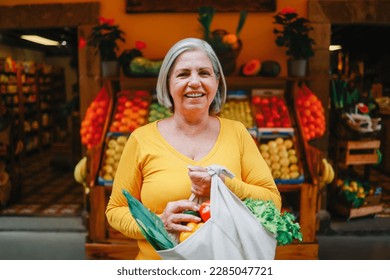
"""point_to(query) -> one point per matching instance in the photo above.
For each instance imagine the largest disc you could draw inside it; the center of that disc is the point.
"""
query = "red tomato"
(256, 100)
(204, 210)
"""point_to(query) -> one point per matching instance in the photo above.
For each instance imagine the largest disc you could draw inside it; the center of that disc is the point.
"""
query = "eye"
(204, 73)
(182, 74)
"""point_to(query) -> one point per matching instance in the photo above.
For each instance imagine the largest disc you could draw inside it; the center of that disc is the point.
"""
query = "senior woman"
(165, 161)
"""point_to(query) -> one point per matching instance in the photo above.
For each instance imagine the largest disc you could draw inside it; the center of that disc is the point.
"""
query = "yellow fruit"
(265, 155)
(294, 167)
(285, 176)
(292, 152)
(272, 144)
(285, 169)
(194, 227)
(264, 148)
(112, 144)
(331, 173)
(288, 143)
(283, 154)
(293, 159)
(284, 162)
(279, 140)
(294, 175)
(353, 184)
(274, 158)
(325, 170)
(275, 166)
(276, 174)
(122, 139)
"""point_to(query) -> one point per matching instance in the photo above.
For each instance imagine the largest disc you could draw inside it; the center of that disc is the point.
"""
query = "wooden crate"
(358, 152)
(299, 251)
(362, 211)
(111, 251)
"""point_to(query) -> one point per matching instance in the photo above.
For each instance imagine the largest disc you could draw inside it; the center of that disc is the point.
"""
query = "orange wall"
(160, 31)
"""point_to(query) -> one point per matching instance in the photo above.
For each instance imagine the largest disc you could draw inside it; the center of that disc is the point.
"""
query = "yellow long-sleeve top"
(155, 173)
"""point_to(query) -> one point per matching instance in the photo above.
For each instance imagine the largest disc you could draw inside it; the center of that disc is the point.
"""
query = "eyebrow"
(198, 69)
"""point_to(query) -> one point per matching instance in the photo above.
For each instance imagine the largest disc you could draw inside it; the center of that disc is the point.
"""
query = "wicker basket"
(228, 59)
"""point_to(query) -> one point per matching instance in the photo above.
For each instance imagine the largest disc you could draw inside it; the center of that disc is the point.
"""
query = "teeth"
(194, 94)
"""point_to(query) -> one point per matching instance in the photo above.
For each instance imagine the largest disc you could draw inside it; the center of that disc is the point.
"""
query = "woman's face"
(192, 83)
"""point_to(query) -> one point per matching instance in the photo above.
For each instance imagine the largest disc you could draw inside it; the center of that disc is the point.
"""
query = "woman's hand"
(200, 180)
(173, 216)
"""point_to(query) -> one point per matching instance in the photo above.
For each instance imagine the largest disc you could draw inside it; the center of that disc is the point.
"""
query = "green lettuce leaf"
(283, 225)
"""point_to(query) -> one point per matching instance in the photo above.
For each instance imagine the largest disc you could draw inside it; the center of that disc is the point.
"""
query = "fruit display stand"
(104, 242)
(307, 191)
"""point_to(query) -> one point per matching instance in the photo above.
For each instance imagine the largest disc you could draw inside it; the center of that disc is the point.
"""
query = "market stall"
(131, 103)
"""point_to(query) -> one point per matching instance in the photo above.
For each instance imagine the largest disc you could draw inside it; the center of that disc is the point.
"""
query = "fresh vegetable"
(282, 225)
(185, 234)
(191, 212)
(150, 224)
(204, 210)
(270, 111)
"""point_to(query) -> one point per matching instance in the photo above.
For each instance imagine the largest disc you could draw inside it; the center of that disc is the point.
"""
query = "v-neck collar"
(186, 158)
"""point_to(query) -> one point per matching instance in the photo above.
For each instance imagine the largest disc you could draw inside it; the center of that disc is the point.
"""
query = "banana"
(331, 173)
(80, 170)
(325, 170)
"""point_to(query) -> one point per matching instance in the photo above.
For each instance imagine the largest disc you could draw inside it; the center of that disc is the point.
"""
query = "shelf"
(233, 82)
(292, 187)
(35, 97)
(103, 241)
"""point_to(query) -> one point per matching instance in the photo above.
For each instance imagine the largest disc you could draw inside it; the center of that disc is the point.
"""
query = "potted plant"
(104, 39)
(294, 35)
(226, 45)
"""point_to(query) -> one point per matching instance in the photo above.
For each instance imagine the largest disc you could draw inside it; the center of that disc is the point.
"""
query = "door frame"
(80, 15)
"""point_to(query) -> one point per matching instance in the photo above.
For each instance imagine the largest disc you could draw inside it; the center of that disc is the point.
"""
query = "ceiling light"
(40, 40)
(335, 47)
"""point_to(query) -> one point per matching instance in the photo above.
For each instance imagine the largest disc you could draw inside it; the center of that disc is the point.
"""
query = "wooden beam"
(191, 6)
(49, 15)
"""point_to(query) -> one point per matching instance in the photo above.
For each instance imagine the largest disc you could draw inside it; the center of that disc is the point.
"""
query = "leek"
(150, 224)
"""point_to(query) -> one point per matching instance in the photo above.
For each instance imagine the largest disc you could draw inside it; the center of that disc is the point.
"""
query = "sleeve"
(128, 176)
(257, 181)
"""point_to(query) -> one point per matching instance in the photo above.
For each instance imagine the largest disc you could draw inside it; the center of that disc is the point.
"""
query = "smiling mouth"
(194, 95)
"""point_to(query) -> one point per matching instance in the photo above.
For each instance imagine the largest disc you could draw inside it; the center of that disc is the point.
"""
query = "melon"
(269, 68)
(251, 68)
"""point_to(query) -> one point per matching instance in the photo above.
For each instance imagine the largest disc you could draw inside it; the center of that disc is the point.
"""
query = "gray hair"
(162, 88)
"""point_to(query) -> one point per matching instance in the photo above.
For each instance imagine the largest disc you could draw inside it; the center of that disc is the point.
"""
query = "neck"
(191, 125)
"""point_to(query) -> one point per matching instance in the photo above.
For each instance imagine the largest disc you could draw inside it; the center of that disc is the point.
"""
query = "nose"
(194, 81)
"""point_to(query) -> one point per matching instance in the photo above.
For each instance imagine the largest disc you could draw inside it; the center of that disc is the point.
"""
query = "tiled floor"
(47, 190)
